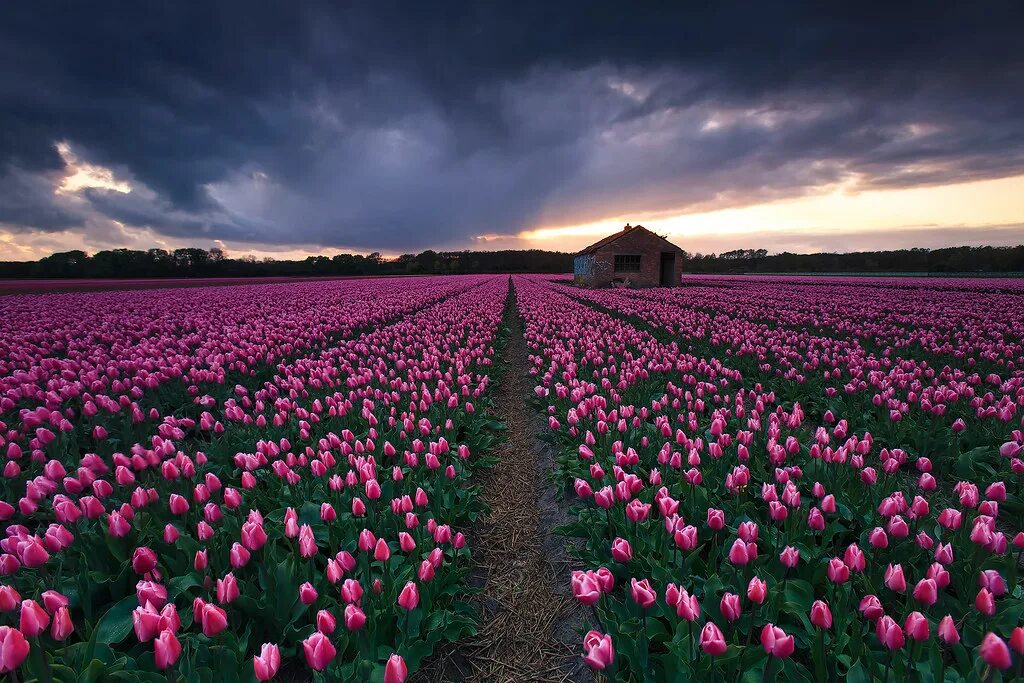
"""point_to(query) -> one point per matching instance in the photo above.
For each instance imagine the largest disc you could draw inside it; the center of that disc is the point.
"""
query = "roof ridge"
(605, 241)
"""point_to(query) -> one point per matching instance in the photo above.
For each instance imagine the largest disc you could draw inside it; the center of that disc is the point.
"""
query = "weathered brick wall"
(648, 247)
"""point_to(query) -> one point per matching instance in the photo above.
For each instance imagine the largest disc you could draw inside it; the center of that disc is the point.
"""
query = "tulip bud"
(166, 649)
(994, 652)
(395, 671)
(712, 640)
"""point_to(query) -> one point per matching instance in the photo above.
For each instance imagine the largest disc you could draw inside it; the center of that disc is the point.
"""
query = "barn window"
(627, 263)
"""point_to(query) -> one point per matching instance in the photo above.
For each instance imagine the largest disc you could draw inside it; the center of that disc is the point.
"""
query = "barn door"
(668, 268)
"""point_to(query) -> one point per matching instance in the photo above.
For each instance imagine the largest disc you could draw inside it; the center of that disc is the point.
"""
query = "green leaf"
(63, 674)
(800, 593)
(180, 584)
(858, 673)
(115, 625)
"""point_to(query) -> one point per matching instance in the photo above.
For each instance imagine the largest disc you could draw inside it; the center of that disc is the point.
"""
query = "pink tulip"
(821, 615)
(585, 587)
(409, 598)
(395, 671)
(947, 631)
(227, 589)
(266, 664)
(1017, 640)
(871, 607)
(33, 618)
(166, 649)
(146, 623)
(993, 581)
(716, 519)
(889, 633)
(143, 560)
(307, 543)
(642, 593)
(200, 560)
(253, 536)
(213, 619)
(712, 640)
(837, 571)
(239, 556)
(325, 622)
(62, 627)
(319, 651)
(10, 599)
(757, 591)
(178, 504)
(622, 551)
(994, 652)
(854, 558)
(687, 606)
(53, 601)
(984, 602)
(598, 652)
(354, 618)
(742, 552)
(894, 579)
(307, 593)
(730, 607)
(351, 591)
(291, 523)
(13, 649)
(916, 626)
(775, 641)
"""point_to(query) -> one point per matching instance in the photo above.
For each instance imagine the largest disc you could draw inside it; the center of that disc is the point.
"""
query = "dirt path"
(529, 620)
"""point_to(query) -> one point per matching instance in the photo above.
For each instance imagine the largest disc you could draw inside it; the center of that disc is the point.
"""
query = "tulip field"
(819, 479)
(222, 484)
(813, 479)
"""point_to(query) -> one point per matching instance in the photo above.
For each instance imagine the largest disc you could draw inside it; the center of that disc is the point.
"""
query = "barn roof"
(600, 244)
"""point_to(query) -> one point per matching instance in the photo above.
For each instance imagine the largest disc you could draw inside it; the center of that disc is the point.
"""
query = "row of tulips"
(296, 509)
(727, 531)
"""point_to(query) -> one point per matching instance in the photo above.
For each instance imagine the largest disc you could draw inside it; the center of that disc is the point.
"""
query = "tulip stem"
(819, 662)
(647, 648)
(689, 633)
(750, 623)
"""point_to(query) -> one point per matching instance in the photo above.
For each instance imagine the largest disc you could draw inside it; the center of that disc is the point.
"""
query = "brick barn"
(632, 257)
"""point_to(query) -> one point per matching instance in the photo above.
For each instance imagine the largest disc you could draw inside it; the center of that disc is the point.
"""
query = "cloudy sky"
(305, 127)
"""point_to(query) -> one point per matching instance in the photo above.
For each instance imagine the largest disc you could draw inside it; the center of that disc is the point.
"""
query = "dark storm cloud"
(407, 125)
(27, 199)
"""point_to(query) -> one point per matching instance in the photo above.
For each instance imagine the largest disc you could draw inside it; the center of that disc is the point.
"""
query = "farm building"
(632, 257)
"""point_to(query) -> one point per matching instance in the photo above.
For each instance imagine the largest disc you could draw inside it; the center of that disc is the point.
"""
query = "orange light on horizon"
(838, 210)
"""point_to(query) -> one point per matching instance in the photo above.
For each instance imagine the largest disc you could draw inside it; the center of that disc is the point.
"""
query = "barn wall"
(583, 269)
(649, 248)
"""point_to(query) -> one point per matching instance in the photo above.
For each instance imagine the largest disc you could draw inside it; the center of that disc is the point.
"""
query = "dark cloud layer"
(405, 125)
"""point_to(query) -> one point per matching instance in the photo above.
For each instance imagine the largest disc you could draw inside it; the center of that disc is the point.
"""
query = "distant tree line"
(192, 262)
(948, 260)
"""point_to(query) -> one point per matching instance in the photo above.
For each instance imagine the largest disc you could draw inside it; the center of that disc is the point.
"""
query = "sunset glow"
(968, 211)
